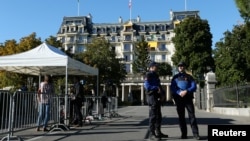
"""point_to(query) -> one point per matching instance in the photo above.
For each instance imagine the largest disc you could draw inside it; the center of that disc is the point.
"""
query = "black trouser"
(77, 109)
(155, 118)
(71, 110)
(181, 104)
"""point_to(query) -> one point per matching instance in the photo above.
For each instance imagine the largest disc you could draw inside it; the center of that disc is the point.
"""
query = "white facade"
(76, 32)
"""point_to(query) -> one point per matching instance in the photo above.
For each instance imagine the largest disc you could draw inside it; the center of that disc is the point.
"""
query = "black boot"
(162, 135)
(154, 137)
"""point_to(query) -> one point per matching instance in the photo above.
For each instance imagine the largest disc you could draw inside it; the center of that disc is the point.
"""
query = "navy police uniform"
(152, 85)
(183, 81)
(77, 103)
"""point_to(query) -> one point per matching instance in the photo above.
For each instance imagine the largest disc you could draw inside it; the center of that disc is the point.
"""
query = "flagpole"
(130, 9)
(78, 6)
(130, 14)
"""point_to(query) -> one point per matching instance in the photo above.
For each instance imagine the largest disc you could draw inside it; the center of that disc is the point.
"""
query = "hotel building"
(76, 32)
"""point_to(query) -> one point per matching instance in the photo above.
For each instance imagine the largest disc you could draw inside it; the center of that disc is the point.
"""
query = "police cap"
(182, 64)
(152, 64)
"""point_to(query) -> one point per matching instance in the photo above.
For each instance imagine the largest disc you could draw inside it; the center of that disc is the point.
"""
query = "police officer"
(154, 93)
(77, 104)
(183, 87)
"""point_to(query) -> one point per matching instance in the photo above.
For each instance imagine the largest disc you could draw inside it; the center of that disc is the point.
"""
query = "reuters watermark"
(228, 132)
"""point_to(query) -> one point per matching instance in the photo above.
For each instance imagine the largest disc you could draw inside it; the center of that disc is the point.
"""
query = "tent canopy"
(45, 59)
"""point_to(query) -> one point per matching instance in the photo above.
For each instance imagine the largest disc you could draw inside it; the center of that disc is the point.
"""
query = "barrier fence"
(233, 96)
(19, 111)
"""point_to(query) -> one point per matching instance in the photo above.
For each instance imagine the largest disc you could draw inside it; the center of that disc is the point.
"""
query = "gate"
(200, 97)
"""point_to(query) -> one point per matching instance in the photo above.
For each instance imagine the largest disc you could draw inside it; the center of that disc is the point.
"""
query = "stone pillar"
(142, 95)
(129, 89)
(210, 83)
(122, 93)
(168, 93)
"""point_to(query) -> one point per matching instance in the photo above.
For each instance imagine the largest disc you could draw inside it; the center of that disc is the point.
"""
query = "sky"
(20, 18)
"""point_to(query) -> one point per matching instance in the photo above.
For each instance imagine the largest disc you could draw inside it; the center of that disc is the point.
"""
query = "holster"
(153, 98)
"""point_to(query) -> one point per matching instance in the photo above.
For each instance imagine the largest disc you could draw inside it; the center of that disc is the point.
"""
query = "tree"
(9, 47)
(12, 47)
(193, 45)
(100, 54)
(141, 57)
(29, 42)
(244, 9)
(53, 41)
(164, 69)
(231, 57)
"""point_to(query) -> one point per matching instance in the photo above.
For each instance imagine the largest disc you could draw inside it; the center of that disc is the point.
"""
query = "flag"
(130, 3)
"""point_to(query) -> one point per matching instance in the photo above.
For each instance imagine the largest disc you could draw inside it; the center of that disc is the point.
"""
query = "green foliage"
(12, 47)
(244, 9)
(232, 58)
(29, 42)
(11, 79)
(141, 56)
(193, 45)
(53, 41)
(9, 47)
(164, 69)
(101, 55)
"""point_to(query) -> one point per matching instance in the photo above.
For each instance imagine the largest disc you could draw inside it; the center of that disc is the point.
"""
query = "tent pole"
(66, 96)
(97, 81)
(97, 94)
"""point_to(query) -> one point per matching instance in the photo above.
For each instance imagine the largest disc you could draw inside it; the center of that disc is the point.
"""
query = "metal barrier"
(7, 114)
(22, 112)
(93, 106)
(234, 96)
(201, 98)
(19, 111)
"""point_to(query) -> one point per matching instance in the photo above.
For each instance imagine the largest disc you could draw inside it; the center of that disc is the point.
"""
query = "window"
(113, 48)
(127, 58)
(162, 28)
(126, 47)
(152, 57)
(63, 39)
(71, 39)
(142, 28)
(127, 68)
(98, 30)
(113, 30)
(94, 30)
(70, 49)
(80, 48)
(113, 38)
(128, 38)
(163, 57)
(152, 28)
(163, 47)
(163, 37)
(81, 30)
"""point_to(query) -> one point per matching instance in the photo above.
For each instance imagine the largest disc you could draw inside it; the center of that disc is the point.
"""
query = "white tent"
(45, 59)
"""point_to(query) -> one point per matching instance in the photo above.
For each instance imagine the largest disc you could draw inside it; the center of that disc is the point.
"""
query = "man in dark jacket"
(183, 87)
(154, 92)
(77, 103)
